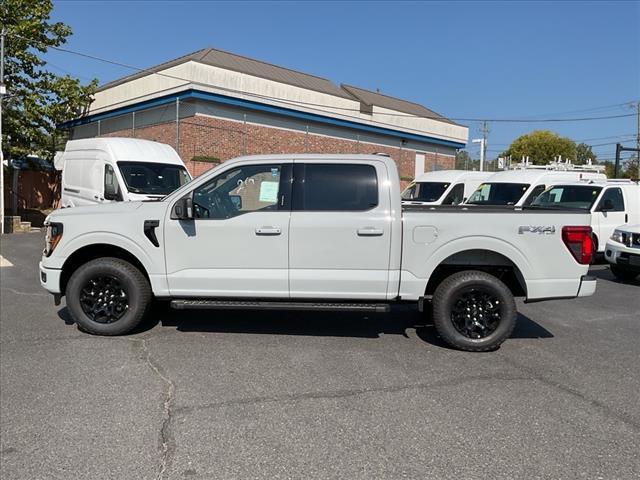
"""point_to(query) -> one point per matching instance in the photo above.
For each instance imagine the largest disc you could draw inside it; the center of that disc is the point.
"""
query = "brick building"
(213, 105)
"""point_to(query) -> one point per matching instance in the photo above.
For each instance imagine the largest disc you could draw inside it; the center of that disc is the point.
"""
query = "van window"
(568, 196)
(425, 191)
(455, 196)
(538, 189)
(615, 195)
(152, 178)
(111, 179)
(498, 193)
(335, 187)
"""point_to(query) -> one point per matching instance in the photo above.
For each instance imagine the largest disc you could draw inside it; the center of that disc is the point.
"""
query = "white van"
(611, 203)
(97, 170)
(520, 187)
(443, 187)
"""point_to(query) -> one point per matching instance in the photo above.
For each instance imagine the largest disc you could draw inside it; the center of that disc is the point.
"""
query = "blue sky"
(462, 59)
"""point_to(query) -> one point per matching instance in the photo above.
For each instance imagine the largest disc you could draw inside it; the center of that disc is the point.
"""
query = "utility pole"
(3, 90)
(485, 135)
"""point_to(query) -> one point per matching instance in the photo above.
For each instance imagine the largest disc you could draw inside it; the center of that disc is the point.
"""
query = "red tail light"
(579, 242)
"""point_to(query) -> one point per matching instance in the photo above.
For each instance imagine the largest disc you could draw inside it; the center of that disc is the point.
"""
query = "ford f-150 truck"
(313, 232)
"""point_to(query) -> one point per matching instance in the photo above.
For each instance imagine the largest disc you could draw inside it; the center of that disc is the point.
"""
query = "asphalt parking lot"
(203, 395)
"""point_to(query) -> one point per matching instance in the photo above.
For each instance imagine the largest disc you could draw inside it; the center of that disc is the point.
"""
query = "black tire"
(120, 279)
(489, 311)
(623, 274)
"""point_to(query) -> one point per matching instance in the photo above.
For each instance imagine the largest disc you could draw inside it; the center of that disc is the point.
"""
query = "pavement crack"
(344, 393)
(18, 292)
(603, 407)
(165, 436)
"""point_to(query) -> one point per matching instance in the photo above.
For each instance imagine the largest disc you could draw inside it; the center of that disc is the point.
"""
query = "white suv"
(623, 252)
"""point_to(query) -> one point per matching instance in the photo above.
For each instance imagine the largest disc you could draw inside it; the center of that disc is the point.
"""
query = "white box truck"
(98, 170)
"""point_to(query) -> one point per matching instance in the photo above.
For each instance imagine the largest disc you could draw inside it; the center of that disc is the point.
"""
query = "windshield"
(568, 196)
(425, 191)
(153, 178)
(498, 193)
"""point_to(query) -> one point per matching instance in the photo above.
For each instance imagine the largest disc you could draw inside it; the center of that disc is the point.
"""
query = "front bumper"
(587, 286)
(623, 256)
(50, 279)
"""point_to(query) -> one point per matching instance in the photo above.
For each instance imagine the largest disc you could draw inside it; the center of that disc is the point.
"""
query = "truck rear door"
(340, 230)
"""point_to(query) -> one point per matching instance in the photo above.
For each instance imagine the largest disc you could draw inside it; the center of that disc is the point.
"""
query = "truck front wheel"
(108, 296)
(473, 311)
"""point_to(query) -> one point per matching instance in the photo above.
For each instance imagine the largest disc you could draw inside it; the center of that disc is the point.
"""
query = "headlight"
(52, 237)
(617, 236)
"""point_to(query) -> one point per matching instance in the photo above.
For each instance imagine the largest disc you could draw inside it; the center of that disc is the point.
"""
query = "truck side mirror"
(182, 209)
(111, 192)
(237, 201)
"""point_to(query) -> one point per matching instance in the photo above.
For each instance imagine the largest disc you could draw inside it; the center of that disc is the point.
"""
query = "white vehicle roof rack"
(558, 166)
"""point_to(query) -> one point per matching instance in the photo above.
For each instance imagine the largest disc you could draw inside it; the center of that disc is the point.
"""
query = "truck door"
(238, 242)
(609, 214)
(340, 231)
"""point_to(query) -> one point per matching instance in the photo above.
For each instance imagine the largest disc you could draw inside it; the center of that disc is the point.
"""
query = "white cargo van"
(520, 187)
(611, 204)
(443, 187)
(97, 170)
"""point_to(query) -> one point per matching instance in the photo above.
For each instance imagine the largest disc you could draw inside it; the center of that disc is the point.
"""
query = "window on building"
(238, 191)
(335, 187)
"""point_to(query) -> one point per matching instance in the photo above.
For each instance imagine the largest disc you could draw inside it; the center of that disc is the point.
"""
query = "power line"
(300, 103)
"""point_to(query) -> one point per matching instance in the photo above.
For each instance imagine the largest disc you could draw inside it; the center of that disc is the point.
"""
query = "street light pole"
(3, 90)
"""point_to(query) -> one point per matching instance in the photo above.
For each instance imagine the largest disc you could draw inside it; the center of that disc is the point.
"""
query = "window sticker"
(269, 192)
(274, 172)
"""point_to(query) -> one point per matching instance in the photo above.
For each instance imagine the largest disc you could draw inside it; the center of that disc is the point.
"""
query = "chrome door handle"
(370, 232)
(268, 231)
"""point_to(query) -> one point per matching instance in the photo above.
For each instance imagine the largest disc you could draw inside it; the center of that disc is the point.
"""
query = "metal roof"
(249, 66)
(392, 103)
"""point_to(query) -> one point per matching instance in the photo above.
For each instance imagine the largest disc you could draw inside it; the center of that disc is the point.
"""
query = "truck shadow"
(604, 273)
(400, 321)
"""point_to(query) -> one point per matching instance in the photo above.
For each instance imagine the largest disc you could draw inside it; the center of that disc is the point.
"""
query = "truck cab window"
(335, 187)
(241, 190)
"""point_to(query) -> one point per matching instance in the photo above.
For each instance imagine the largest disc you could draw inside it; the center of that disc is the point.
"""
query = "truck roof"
(134, 149)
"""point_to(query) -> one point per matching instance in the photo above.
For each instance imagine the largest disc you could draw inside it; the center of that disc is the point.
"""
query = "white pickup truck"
(313, 232)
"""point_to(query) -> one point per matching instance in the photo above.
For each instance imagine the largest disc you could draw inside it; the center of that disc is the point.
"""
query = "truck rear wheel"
(108, 296)
(474, 311)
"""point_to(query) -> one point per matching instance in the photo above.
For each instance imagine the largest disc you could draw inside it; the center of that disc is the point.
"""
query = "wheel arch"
(486, 260)
(91, 252)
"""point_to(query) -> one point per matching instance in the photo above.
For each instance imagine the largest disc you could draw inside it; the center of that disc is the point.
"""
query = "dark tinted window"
(537, 190)
(616, 199)
(455, 196)
(335, 187)
(152, 178)
(498, 193)
(425, 191)
(568, 196)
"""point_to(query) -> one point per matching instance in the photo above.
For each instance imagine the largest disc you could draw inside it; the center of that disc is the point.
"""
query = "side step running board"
(278, 305)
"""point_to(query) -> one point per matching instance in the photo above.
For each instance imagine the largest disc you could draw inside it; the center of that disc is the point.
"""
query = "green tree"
(584, 153)
(541, 146)
(37, 100)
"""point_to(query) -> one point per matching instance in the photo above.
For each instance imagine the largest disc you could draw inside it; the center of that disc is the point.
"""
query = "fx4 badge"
(539, 229)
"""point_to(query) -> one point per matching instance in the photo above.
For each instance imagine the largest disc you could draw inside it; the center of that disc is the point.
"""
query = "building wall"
(222, 139)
